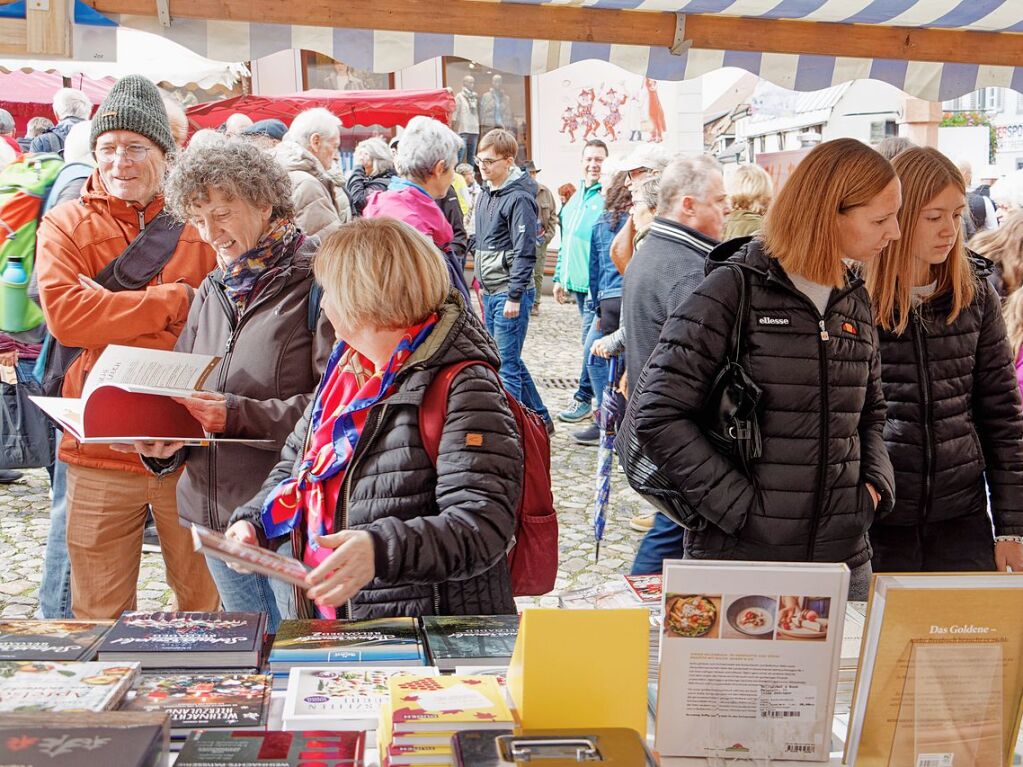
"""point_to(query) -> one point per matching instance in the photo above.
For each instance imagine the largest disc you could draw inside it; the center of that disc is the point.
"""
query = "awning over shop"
(934, 49)
(384, 108)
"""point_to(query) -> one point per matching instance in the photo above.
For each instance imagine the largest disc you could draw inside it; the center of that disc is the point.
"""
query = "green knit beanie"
(134, 104)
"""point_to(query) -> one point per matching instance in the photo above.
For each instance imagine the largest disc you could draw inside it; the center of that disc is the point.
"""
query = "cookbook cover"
(250, 748)
(340, 641)
(337, 698)
(645, 588)
(30, 686)
(447, 703)
(749, 659)
(221, 699)
(140, 633)
(941, 676)
(487, 639)
(50, 640)
(112, 739)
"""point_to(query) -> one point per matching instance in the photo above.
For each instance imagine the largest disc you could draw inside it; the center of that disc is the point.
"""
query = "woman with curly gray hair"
(255, 312)
(374, 169)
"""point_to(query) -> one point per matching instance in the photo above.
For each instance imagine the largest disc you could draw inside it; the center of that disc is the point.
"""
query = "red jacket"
(82, 237)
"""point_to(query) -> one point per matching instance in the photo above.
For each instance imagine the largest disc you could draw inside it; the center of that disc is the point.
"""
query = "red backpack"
(533, 558)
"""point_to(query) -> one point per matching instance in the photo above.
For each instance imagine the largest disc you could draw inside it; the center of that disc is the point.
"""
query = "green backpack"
(24, 185)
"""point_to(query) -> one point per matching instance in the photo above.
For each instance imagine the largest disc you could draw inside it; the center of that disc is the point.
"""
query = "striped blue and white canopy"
(387, 51)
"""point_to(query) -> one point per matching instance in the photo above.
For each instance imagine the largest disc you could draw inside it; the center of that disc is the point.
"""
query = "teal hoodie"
(578, 217)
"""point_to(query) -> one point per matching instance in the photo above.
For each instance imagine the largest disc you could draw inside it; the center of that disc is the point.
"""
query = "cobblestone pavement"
(553, 356)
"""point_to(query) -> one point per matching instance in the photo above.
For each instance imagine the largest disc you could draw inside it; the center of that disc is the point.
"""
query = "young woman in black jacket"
(812, 348)
(955, 428)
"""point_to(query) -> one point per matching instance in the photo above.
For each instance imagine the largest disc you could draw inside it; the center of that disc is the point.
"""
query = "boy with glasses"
(506, 229)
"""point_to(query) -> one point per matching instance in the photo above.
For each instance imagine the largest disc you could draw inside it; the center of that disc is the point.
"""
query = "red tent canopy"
(385, 108)
(30, 94)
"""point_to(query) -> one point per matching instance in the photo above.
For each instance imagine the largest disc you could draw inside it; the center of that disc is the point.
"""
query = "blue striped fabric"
(384, 52)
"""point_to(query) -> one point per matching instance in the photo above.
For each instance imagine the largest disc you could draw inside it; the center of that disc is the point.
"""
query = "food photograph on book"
(51, 639)
(731, 685)
(33, 686)
(203, 700)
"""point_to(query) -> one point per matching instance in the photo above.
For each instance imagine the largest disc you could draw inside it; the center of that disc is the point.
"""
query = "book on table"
(51, 639)
(36, 686)
(425, 704)
(210, 748)
(375, 642)
(212, 700)
(109, 739)
(253, 558)
(337, 698)
(128, 397)
(186, 639)
(940, 681)
(749, 659)
(456, 640)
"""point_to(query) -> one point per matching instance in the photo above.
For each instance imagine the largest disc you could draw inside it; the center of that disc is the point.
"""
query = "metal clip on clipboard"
(542, 748)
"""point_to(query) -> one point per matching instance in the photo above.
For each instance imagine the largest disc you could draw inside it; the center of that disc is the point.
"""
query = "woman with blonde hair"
(817, 471)
(387, 530)
(750, 190)
(1003, 246)
(955, 427)
(1012, 311)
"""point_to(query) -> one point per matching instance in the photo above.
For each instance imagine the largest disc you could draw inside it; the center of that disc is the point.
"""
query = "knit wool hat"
(134, 104)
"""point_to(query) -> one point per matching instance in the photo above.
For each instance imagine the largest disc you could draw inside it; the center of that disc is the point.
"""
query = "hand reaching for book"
(342, 574)
(209, 408)
(243, 532)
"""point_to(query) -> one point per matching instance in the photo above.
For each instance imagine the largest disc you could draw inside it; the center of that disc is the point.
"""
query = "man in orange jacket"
(108, 492)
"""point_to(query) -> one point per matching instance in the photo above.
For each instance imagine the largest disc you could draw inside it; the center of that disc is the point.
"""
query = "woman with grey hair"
(374, 169)
(256, 312)
(426, 159)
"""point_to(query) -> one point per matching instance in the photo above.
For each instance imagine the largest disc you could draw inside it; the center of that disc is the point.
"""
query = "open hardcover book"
(253, 558)
(128, 397)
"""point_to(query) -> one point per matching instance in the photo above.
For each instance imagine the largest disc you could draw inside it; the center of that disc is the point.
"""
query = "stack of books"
(187, 640)
(365, 643)
(852, 638)
(338, 698)
(37, 686)
(424, 713)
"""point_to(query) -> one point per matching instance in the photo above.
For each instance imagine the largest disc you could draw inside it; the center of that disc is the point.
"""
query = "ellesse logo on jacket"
(773, 321)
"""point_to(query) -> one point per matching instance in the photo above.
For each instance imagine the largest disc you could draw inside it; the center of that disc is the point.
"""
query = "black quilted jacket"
(441, 533)
(954, 417)
(821, 417)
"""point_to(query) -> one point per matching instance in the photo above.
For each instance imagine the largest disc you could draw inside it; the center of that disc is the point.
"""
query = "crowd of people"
(878, 351)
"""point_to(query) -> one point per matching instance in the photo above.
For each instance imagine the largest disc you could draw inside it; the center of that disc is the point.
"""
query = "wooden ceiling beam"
(600, 25)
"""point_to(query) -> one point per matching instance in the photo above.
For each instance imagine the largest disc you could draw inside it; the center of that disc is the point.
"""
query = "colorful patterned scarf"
(242, 274)
(348, 391)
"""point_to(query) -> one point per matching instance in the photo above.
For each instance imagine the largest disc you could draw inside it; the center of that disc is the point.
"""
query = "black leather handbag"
(730, 411)
(729, 421)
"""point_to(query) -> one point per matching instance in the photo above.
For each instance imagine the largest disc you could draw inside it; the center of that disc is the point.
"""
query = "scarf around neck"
(348, 391)
(241, 275)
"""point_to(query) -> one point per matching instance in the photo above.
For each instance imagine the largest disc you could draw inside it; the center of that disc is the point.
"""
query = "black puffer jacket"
(360, 186)
(954, 413)
(441, 533)
(821, 417)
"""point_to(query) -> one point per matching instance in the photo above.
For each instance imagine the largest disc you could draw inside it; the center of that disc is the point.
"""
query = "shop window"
(502, 99)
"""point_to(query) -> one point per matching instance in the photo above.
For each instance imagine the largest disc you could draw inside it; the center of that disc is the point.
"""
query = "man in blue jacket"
(507, 222)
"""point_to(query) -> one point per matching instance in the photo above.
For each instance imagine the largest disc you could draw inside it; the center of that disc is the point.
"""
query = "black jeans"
(962, 544)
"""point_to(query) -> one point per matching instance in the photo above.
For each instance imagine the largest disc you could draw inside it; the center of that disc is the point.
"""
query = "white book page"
(151, 371)
(68, 412)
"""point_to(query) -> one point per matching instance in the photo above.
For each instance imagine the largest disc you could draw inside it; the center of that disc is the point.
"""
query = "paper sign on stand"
(581, 668)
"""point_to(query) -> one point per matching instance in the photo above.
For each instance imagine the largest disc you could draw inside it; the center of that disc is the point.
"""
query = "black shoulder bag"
(729, 421)
(143, 259)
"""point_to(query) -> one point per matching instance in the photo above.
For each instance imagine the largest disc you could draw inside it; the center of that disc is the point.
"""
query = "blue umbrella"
(608, 417)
